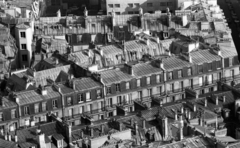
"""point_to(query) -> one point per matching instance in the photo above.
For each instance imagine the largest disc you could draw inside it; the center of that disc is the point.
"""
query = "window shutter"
(175, 74)
(113, 89)
(185, 70)
(122, 86)
(226, 62)
(235, 60)
(84, 96)
(93, 95)
(214, 65)
(153, 79)
(194, 70)
(143, 81)
(133, 84)
(205, 67)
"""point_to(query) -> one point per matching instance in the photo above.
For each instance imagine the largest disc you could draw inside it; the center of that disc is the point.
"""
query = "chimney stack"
(102, 128)
(16, 137)
(194, 108)
(181, 127)
(189, 115)
(216, 100)
(120, 126)
(176, 116)
(184, 20)
(144, 124)
(224, 98)
(91, 132)
(136, 127)
(161, 103)
(205, 102)
(182, 110)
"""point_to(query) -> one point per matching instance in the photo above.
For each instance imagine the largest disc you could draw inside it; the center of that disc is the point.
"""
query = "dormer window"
(99, 94)
(189, 71)
(230, 61)
(118, 87)
(69, 100)
(80, 98)
(170, 77)
(148, 80)
(158, 78)
(88, 98)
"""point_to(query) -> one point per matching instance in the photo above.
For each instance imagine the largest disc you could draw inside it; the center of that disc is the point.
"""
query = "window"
(138, 82)
(219, 63)
(189, 71)
(148, 80)
(110, 114)
(130, 5)
(108, 90)
(159, 89)
(60, 143)
(36, 108)
(149, 92)
(1, 116)
(26, 110)
(70, 112)
(170, 76)
(149, 4)
(232, 73)
(129, 98)
(81, 109)
(44, 106)
(109, 102)
(210, 80)
(209, 66)
(172, 87)
(162, 3)
(127, 85)
(119, 99)
(117, 13)
(23, 34)
(117, 5)
(24, 58)
(157, 78)
(80, 98)
(200, 68)
(169, 3)
(130, 12)
(88, 98)
(54, 103)
(93, 26)
(179, 73)
(24, 46)
(230, 61)
(89, 107)
(118, 87)
(200, 81)
(136, 4)
(69, 100)
(110, 5)
(13, 113)
(99, 94)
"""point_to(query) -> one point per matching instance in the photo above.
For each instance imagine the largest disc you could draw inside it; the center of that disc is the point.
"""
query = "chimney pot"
(216, 100)
(176, 116)
(144, 124)
(224, 98)
(205, 102)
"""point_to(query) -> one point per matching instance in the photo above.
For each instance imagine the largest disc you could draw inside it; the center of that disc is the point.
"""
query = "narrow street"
(236, 6)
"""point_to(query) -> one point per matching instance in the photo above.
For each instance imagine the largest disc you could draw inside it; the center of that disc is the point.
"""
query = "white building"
(24, 36)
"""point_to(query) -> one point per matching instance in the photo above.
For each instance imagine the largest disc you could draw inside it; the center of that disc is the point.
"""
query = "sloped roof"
(86, 84)
(202, 56)
(145, 69)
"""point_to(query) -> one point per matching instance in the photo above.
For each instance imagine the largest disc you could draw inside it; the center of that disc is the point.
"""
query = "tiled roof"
(228, 50)
(111, 50)
(31, 96)
(86, 84)
(7, 144)
(65, 89)
(114, 76)
(8, 103)
(29, 134)
(176, 62)
(234, 145)
(202, 56)
(145, 69)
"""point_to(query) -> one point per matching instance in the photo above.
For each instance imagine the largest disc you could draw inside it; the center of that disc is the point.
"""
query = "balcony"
(125, 103)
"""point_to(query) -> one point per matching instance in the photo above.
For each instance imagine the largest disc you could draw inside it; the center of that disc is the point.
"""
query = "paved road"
(235, 34)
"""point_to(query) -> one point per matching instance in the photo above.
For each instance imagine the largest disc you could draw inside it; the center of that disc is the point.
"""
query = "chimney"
(182, 110)
(136, 127)
(59, 13)
(38, 131)
(186, 112)
(120, 126)
(74, 85)
(224, 98)
(41, 140)
(184, 20)
(9, 137)
(205, 102)
(102, 128)
(82, 134)
(131, 122)
(56, 61)
(17, 100)
(85, 12)
(176, 115)
(2, 102)
(43, 91)
(161, 103)
(144, 124)
(216, 100)
(189, 115)
(69, 133)
(6, 136)
(194, 108)
(126, 111)
(159, 64)
(147, 41)
(113, 18)
(157, 40)
(165, 119)
(200, 121)
(216, 122)
(16, 137)
(181, 127)
(91, 132)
